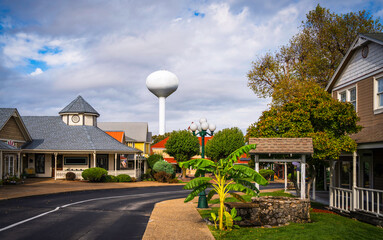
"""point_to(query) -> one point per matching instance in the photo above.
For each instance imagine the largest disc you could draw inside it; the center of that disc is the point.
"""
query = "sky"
(53, 51)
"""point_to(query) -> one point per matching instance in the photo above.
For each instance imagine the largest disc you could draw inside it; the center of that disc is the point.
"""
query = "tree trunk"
(312, 175)
(183, 172)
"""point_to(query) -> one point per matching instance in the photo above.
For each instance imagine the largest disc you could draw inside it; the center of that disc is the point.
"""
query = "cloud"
(104, 50)
(36, 72)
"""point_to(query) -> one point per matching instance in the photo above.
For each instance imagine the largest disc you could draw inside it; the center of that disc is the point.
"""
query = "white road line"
(79, 202)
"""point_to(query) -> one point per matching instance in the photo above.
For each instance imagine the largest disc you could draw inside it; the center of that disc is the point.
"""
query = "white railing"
(341, 199)
(369, 200)
(118, 172)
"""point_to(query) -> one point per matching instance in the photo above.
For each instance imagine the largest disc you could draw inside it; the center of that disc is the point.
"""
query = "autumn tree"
(182, 145)
(316, 115)
(224, 142)
(311, 56)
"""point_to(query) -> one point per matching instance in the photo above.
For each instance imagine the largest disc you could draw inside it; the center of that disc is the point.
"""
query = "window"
(75, 161)
(353, 97)
(9, 165)
(40, 163)
(349, 95)
(380, 92)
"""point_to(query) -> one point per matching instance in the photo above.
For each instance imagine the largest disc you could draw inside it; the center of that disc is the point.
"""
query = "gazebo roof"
(282, 145)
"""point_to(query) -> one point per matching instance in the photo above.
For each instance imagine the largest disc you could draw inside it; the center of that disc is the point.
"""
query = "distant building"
(136, 134)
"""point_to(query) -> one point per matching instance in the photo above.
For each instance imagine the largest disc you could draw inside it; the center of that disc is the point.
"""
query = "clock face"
(75, 118)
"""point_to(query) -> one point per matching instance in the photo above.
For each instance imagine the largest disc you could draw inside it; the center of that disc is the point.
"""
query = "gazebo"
(283, 146)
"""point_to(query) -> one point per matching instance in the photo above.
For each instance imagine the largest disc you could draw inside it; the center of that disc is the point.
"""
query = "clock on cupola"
(79, 113)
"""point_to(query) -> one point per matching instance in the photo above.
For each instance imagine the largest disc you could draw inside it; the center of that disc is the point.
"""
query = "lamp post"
(202, 132)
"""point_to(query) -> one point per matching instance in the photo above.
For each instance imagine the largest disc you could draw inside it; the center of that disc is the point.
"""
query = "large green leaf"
(252, 174)
(211, 194)
(196, 191)
(240, 188)
(233, 157)
(238, 197)
(196, 182)
(247, 184)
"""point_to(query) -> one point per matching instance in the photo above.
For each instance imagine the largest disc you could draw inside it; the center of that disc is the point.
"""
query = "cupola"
(79, 112)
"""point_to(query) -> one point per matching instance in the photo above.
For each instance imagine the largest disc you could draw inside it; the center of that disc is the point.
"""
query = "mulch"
(322, 211)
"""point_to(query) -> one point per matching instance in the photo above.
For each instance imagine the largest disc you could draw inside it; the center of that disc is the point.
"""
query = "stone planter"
(273, 211)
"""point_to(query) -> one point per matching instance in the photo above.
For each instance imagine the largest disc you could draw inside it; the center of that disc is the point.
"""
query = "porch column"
(285, 174)
(332, 164)
(354, 206)
(55, 166)
(303, 180)
(257, 168)
(135, 163)
(94, 159)
(115, 164)
(19, 164)
(298, 175)
(1, 164)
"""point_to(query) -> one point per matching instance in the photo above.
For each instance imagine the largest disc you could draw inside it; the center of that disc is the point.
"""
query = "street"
(102, 214)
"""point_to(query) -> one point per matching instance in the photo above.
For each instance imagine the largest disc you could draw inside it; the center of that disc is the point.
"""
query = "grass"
(280, 193)
(323, 226)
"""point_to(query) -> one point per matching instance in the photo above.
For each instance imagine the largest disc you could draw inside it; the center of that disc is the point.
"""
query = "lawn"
(323, 226)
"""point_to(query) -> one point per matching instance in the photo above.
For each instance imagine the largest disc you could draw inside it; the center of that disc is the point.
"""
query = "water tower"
(162, 83)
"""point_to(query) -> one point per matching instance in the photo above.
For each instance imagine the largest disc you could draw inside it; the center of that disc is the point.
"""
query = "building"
(136, 134)
(357, 178)
(51, 146)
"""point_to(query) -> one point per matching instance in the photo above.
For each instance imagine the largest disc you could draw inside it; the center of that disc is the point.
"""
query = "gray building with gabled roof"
(51, 146)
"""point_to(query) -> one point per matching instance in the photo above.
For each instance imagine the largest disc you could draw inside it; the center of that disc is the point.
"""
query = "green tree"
(224, 142)
(317, 115)
(152, 159)
(227, 177)
(182, 145)
(311, 56)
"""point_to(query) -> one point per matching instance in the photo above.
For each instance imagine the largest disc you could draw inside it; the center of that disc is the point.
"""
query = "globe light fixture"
(202, 132)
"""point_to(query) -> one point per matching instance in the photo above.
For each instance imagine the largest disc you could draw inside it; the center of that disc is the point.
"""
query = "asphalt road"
(101, 214)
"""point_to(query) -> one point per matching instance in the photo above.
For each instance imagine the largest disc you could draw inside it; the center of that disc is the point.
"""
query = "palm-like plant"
(228, 177)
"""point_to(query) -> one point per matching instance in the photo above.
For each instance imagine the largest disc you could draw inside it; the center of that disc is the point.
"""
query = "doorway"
(102, 161)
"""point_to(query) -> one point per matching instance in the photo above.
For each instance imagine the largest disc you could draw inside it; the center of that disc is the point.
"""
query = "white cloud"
(36, 72)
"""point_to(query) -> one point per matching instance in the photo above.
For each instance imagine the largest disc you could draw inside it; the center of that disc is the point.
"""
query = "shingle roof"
(51, 133)
(79, 105)
(5, 114)
(282, 145)
(134, 130)
(4, 146)
(374, 36)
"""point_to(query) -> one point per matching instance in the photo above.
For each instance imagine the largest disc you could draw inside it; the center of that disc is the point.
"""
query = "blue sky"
(53, 51)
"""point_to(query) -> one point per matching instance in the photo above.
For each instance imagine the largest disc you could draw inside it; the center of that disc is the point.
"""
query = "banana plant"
(228, 179)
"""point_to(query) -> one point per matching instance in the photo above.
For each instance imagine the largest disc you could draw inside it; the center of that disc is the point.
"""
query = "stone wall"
(273, 211)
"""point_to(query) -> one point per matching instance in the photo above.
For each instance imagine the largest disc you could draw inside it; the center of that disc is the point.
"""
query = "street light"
(202, 132)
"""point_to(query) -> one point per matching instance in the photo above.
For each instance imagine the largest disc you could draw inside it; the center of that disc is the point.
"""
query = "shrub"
(174, 180)
(70, 176)
(94, 174)
(152, 159)
(110, 178)
(134, 179)
(163, 177)
(266, 173)
(124, 178)
(163, 166)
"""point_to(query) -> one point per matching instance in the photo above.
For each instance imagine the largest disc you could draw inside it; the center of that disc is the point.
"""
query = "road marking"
(79, 202)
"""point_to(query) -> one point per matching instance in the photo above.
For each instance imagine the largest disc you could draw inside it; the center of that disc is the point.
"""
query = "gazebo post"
(303, 180)
(285, 175)
(257, 168)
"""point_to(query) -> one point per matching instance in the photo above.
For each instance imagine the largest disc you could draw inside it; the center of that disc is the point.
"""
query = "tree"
(159, 137)
(228, 177)
(224, 142)
(153, 158)
(182, 145)
(317, 115)
(312, 56)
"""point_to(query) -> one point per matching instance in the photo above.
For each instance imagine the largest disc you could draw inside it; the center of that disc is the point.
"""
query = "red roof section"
(119, 136)
(161, 144)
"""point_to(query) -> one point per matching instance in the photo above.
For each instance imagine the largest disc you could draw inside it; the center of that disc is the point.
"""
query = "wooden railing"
(369, 200)
(341, 199)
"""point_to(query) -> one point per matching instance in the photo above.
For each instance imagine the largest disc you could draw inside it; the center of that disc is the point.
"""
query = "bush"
(134, 179)
(163, 177)
(110, 178)
(152, 159)
(124, 178)
(70, 176)
(174, 180)
(163, 166)
(266, 173)
(94, 174)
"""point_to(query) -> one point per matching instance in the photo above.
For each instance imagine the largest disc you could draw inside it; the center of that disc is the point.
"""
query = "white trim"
(348, 94)
(377, 109)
